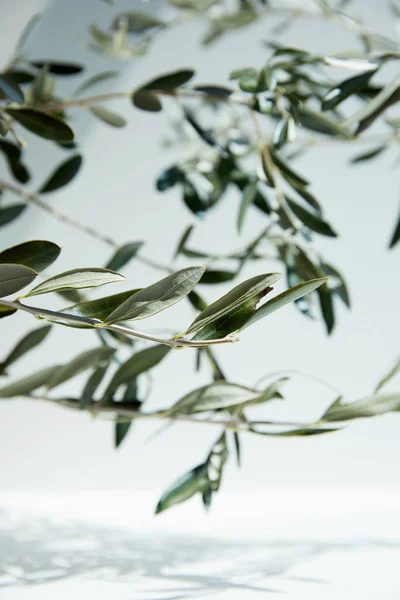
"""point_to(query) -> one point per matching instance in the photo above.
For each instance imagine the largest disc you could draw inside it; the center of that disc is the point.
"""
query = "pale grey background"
(44, 447)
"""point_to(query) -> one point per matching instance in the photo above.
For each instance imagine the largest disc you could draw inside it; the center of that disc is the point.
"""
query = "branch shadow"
(169, 567)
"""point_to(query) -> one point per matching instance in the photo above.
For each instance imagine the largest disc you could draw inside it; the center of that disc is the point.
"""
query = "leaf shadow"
(169, 567)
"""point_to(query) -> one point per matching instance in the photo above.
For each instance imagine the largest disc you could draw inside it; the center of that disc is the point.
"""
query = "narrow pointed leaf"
(100, 308)
(63, 175)
(136, 365)
(249, 194)
(182, 242)
(28, 342)
(77, 279)
(84, 361)
(373, 108)
(313, 222)
(96, 79)
(59, 67)
(169, 81)
(290, 295)
(92, 384)
(11, 89)
(11, 212)
(395, 370)
(123, 255)
(14, 277)
(216, 396)
(28, 384)
(184, 488)
(159, 296)
(237, 297)
(121, 431)
(345, 89)
(395, 236)
(37, 254)
(371, 406)
(137, 22)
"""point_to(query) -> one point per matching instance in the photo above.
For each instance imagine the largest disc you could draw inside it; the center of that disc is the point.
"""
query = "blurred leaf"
(320, 123)
(205, 135)
(326, 304)
(284, 298)
(28, 384)
(236, 440)
(215, 396)
(197, 301)
(367, 114)
(100, 308)
(236, 298)
(76, 279)
(146, 101)
(84, 361)
(378, 404)
(62, 175)
(395, 237)
(137, 22)
(395, 370)
(169, 81)
(121, 430)
(182, 242)
(286, 169)
(41, 124)
(28, 342)
(311, 221)
(216, 461)
(248, 198)
(11, 89)
(159, 296)
(340, 288)
(304, 431)
(20, 76)
(123, 255)
(136, 365)
(11, 212)
(218, 91)
(107, 116)
(192, 199)
(6, 312)
(59, 67)
(212, 276)
(184, 488)
(14, 277)
(92, 81)
(367, 155)
(13, 156)
(92, 384)
(168, 178)
(38, 254)
(346, 88)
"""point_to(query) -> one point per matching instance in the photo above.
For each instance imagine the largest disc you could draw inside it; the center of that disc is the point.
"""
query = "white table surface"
(108, 545)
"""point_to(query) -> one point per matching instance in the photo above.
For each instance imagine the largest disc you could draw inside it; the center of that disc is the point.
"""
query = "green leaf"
(28, 384)
(182, 242)
(92, 384)
(168, 178)
(290, 295)
(92, 81)
(184, 488)
(215, 396)
(159, 296)
(11, 212)
(5, 311)
(11, 89)
(395, 370)
(367, 155)
(146, 101)
(237, 297)
(123, 255)
(38, 254)
(302, 432)
(345, 89)
(320, 123)
(378, 404)
(340, 287)
(14, 277)
(216, 461)
(108, 116)
(169, 81)
(28, 342)
(372, 109)
(313, 222)
(58, 67)
(63, 175)
(326, 304)
(136, 365)
(100, 308)
(76, 279)
(13, 156)
(395, 236)
(41, 124)
(286, 169)
(249, 194)
(84, 361)
(137, 22)
(212, 276)
(121, 430)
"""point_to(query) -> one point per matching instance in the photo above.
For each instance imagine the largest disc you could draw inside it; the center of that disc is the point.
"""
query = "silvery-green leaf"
(184, 488)
(37, 254)
(27, 343)
(395, 370)
(28, 384)
(371, 406)
(76, 279)
(63, 175)
(108, 116)
(216, 396)
(85, 360)
(100, 308)
(123, 255)
(14, 277)
(159, 296)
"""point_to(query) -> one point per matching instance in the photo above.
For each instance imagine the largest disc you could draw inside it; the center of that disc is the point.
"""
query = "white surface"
(307, 545)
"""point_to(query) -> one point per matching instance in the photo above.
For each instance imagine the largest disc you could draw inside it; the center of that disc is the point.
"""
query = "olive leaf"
(371, 406)
(159, 296)
(216, 396)
(42, 124)
(184, 488)
(37, 254)
(76, 279)
(63, 175)
(100, 308)
(84, 361)
(28, 384)
(27, 343)
(107, 116)
(10, 213)
(14, 278)
(11, 90)
(123, 255)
